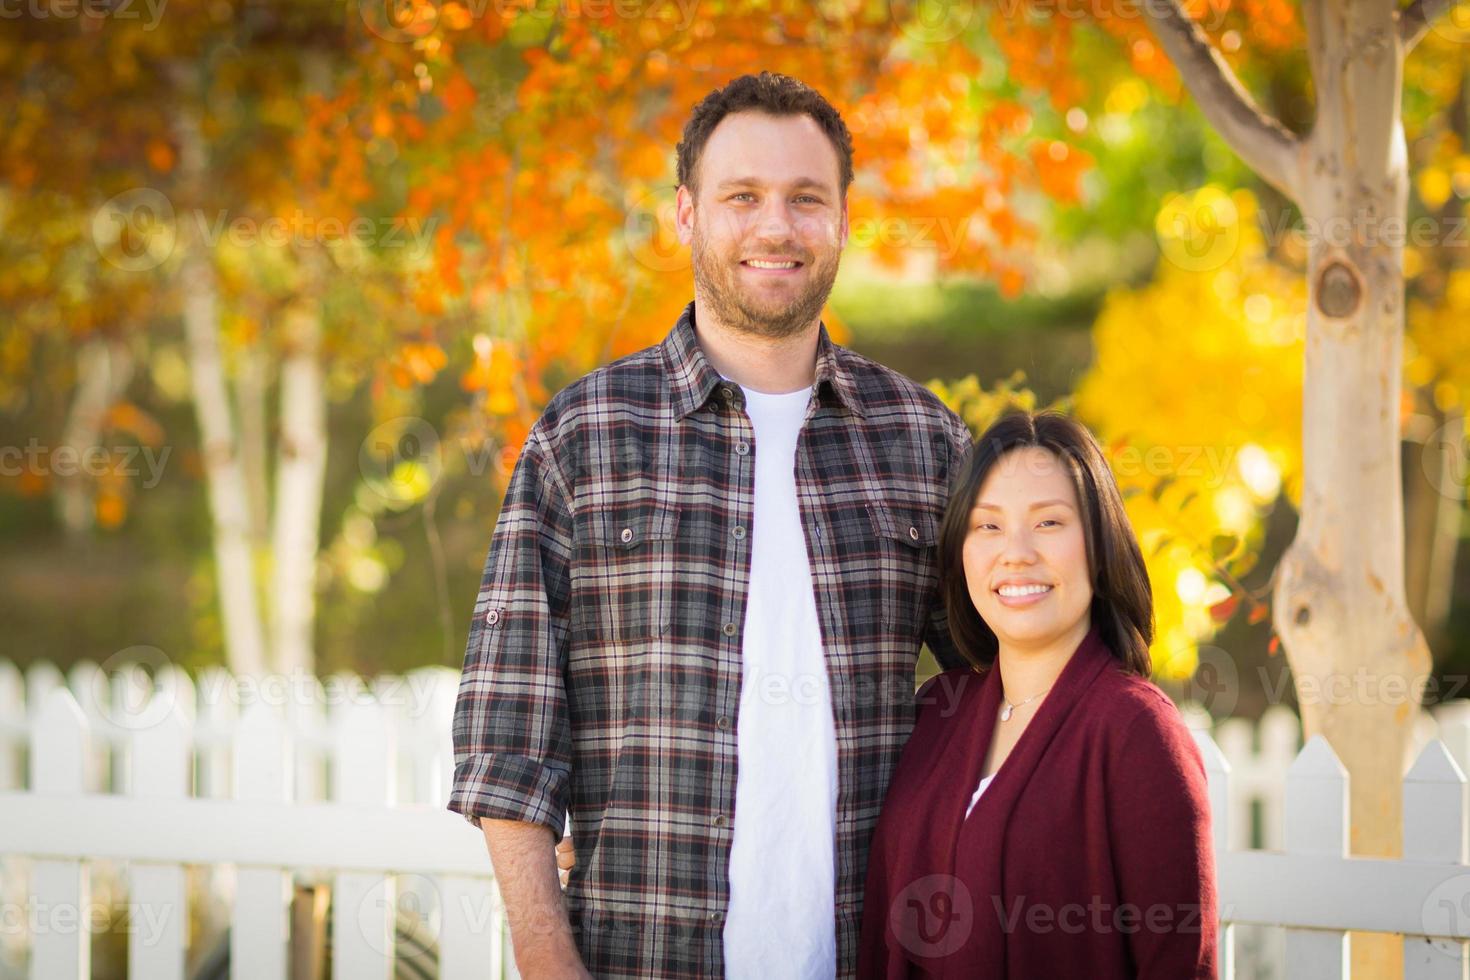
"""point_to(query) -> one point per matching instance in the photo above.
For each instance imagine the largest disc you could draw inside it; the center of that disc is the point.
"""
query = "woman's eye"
(1051, 521)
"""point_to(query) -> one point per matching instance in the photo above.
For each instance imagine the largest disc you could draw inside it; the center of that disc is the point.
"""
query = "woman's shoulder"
(1127, 703)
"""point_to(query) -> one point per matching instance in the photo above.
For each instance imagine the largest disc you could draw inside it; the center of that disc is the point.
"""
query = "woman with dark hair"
(1048, 817)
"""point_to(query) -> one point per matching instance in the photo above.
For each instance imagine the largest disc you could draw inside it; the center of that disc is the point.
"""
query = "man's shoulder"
(635, 382)
(882, 386)
(894, 398)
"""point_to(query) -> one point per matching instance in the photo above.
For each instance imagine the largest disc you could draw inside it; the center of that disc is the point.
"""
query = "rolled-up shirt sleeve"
(512, 741)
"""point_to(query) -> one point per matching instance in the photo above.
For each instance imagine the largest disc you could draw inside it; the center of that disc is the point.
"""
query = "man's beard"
(734, 308)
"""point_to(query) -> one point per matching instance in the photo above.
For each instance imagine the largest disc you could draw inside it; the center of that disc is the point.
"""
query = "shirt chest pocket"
(906, 535)
(626, 571)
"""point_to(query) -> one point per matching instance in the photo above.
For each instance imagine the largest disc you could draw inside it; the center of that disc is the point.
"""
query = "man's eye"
(808, 197)
(736, 197)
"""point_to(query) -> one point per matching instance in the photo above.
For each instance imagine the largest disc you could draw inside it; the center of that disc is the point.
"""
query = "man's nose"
(775, 222)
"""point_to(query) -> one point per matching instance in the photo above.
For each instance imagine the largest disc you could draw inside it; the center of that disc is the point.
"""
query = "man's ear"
(684, 214)
(842, 236)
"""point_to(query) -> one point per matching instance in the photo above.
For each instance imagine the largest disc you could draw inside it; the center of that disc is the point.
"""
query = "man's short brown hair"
(769, 92)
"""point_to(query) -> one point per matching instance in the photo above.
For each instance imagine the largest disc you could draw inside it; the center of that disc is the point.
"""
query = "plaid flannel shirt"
(603, 668)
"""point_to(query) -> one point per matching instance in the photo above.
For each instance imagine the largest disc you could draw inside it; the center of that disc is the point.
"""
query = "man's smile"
(773, 266)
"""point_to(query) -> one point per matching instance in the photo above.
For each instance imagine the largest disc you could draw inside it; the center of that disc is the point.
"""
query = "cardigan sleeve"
(873, 960)
(878, 959)
(1159, 825)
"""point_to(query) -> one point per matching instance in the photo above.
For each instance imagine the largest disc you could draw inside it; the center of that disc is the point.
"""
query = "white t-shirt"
(984, 782)
(782, 874)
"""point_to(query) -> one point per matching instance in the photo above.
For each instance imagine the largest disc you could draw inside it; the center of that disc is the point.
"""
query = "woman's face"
(1025, 556)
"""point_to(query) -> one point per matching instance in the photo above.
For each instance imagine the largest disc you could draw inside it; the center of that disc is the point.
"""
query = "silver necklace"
(1005, 714)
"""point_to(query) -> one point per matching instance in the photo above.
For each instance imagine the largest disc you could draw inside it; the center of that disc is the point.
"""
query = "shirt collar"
(692, 377)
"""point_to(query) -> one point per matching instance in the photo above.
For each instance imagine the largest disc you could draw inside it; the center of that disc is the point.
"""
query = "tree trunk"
(244, 638)
(301, 448)
(1340, 605)
(1358, 659)
(252, 381)
(1434, 504)
(104, 367)
(300, 466)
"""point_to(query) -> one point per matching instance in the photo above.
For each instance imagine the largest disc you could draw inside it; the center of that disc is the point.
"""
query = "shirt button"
(914, 533)
(492, 617)
(739, 532)
(627, 535)
(726, 392)
(716, 917)
(742, 448)
(723, 723)
(729, 629)
(721, 820)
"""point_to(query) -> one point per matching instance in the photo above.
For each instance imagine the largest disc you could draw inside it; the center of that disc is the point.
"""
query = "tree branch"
(1415, 19)
(1268, 147)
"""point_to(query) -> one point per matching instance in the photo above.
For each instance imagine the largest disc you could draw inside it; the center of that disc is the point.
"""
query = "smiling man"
(710, 579)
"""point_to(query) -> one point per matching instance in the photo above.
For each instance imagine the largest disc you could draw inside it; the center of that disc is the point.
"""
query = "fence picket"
(159, 769)
(1435, 809)
(12, 725)
(260, 918)
(470, 932)
(1317, 823)
(218, 710)
(60, 893)
(1217, 774)
(363, 904)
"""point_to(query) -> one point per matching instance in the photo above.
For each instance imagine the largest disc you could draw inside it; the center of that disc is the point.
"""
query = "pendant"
(1005, 713)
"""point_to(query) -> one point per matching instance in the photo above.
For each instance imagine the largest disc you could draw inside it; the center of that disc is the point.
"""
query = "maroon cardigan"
(1089, 855)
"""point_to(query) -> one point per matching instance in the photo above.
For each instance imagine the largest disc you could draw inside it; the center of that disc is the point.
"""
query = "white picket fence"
(131, 783)
(115, 789)
(1261, 752)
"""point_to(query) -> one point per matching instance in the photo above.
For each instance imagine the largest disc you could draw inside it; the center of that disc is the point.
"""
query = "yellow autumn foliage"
(1195, 396)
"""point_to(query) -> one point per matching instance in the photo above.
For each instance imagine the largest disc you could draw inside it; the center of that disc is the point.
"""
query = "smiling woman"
(1036, 546)
(1063, 800)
